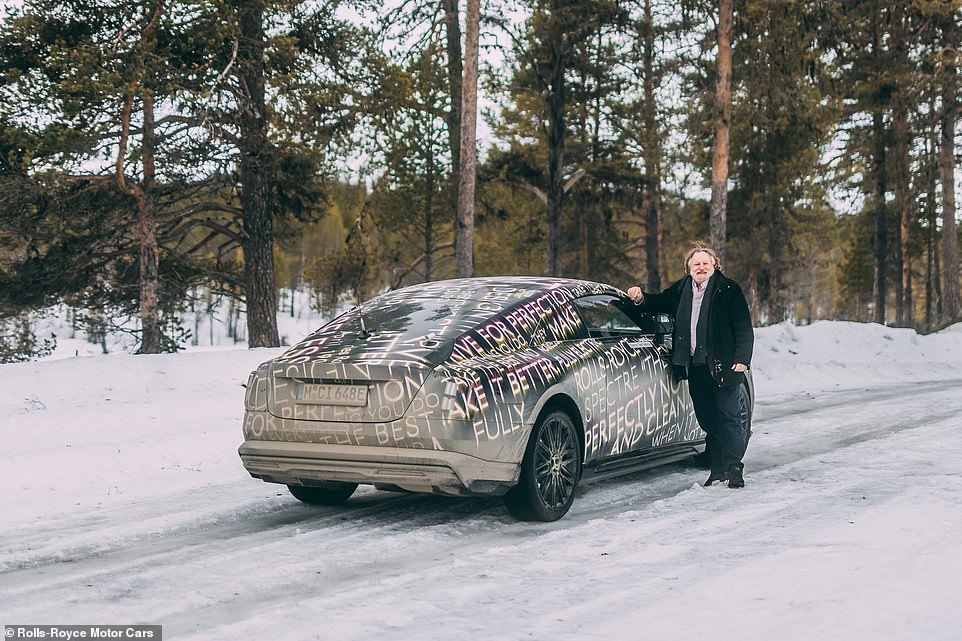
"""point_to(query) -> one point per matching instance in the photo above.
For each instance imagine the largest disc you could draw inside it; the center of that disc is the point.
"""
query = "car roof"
(422, 322)
(507, 289)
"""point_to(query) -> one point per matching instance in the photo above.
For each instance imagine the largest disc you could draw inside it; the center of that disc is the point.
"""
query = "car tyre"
(327, 493)
(745, 410)
(550, 471)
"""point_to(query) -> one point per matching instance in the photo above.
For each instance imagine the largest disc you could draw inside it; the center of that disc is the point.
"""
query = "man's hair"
(699, 247)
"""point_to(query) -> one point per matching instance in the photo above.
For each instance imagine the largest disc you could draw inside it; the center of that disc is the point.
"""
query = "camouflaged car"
(516, 387)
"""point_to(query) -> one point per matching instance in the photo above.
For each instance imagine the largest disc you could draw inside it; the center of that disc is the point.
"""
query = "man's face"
(701, 267)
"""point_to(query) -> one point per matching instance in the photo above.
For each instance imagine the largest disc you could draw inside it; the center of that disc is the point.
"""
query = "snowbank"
(829, 355)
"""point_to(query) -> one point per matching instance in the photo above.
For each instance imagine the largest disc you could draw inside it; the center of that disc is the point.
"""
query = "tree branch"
(398, 276)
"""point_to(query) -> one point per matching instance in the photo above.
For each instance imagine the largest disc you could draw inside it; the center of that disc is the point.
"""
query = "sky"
(125, 502)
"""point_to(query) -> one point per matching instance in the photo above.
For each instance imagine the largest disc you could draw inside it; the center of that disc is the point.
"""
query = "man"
(713, 339)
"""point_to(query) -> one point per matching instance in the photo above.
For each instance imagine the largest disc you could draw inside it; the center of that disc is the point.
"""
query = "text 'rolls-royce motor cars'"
(519, 387)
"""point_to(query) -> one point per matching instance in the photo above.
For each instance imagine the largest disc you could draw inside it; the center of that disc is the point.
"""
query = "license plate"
(332, 394)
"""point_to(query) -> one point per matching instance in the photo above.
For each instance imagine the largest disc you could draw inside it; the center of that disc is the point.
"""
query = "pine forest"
(157, 154)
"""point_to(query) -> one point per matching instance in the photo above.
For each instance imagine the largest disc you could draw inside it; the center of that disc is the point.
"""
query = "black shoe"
(736, 478)
(716, 477)
(702, 460)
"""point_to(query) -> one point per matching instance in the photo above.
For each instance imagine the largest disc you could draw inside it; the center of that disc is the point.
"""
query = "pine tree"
(783, 118)
(950, 246)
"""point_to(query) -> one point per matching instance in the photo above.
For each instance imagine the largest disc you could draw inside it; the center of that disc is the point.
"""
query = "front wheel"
(745, 412)
(325, 493)
(550, 471)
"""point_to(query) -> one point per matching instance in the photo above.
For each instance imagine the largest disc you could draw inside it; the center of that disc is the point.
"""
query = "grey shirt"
(697, 297)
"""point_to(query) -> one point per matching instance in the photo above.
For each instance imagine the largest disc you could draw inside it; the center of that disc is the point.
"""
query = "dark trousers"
(718, 412)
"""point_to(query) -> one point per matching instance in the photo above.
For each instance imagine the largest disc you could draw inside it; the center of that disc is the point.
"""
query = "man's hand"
(740, 367)
(635, 294)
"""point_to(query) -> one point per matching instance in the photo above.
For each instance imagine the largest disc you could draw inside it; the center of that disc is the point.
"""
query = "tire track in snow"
(101, 561)
(86, 535)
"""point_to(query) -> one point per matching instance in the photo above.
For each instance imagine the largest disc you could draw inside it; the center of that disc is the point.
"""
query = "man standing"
(713, 339)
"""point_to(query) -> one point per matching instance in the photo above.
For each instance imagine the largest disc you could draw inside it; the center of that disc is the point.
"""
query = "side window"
(604, 318)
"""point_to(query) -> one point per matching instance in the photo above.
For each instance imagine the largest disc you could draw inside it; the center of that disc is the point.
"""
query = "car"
(519, 387)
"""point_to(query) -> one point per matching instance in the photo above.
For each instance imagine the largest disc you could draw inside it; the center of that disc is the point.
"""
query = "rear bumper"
(415, 470)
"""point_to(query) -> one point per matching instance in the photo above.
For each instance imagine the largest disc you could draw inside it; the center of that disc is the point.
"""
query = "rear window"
(418, 323)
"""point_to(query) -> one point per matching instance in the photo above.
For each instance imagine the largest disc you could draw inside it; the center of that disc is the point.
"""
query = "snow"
(125, 502)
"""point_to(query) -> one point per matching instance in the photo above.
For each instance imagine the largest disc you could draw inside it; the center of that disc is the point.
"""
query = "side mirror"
(664, 326)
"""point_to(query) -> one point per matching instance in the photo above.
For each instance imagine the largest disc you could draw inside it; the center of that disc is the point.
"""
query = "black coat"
(730, 333)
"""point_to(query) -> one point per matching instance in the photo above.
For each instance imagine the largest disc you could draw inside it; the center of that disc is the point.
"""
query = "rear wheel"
(550, 471)
(325, 493)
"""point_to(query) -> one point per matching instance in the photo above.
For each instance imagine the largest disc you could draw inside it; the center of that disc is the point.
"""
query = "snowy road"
(848, 529)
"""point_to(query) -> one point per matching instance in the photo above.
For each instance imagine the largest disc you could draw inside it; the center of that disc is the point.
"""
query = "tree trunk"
(937, 276)
(429, 216)
(556, 142)
(256, 169)
(723, 100)
(950, 243)
(652, 154)
(452, 27)
(591, 116)
(464, 235)
(903, 187)
(931, 216)
(152, 338)
(903, 200)
(584, 253)
(879, 212)
(879, 184)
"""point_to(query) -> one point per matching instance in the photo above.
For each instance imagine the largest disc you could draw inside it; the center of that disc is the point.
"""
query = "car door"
(646, 406)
